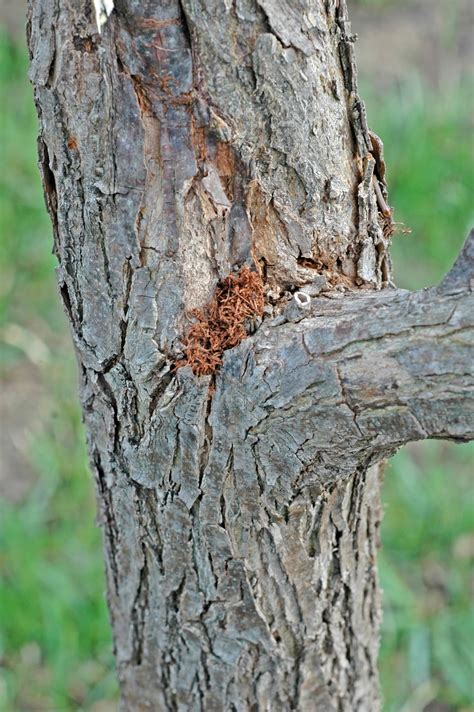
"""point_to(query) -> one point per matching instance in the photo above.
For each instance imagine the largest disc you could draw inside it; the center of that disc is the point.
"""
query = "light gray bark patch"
(285, 20)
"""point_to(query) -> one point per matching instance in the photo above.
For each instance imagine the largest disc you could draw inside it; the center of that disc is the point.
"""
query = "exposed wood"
(240, 513)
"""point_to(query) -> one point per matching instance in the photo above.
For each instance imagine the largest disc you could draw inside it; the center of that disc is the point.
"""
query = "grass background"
(55, 642)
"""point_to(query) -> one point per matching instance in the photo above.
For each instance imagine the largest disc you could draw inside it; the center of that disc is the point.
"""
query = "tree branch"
(356, 378)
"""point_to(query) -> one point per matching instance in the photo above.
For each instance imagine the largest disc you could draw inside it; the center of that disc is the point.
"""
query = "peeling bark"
(240, 513)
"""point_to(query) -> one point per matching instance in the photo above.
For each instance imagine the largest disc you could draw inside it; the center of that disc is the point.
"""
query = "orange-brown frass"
(222, 324)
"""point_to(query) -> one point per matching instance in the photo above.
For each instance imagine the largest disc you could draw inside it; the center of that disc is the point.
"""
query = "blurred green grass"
(55, 642)
(430, 157)
(426, 575)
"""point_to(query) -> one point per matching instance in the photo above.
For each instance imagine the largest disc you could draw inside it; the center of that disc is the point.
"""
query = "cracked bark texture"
(241, 515)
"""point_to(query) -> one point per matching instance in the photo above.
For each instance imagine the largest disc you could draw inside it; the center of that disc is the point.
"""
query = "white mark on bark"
(102, 8)
(303, 300)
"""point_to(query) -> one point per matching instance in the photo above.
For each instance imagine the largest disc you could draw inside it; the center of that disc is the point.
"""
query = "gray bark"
(240, 512)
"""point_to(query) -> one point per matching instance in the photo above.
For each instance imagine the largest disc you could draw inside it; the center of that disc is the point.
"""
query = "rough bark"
(240, 513)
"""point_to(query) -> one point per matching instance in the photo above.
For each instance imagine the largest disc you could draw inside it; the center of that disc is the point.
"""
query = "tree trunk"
(240, 509)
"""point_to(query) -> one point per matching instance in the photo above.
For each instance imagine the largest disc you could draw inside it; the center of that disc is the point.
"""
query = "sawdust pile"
(224, 322)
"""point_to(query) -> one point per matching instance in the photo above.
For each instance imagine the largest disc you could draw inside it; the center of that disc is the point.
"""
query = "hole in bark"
(309, 263)
(84, 44)
(120, 66)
